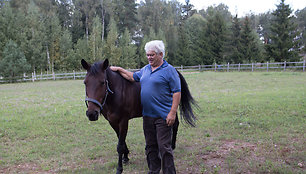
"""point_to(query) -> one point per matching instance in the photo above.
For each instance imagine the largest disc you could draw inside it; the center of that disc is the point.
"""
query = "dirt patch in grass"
(40, 168)
(226, 158)
(24, 168)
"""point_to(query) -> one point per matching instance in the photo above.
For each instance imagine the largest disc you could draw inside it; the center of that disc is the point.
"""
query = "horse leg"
(174, 131)
(115, 126)
(121, 147)
(125, 159)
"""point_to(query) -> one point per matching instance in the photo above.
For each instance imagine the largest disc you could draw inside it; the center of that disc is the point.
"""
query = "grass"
(248, 123)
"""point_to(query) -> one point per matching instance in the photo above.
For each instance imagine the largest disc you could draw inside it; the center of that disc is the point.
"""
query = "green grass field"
(248, 123)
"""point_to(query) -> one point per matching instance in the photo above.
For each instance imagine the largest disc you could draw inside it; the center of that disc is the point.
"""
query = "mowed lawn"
(248, 123)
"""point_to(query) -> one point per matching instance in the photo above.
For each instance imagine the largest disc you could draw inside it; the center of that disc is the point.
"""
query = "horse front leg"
(121, 147)
(126, 159)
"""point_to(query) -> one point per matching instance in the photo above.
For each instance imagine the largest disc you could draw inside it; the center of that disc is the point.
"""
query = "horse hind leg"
(174, 132)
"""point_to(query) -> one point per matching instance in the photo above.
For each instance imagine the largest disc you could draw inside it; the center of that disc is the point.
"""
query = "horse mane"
(95, 68)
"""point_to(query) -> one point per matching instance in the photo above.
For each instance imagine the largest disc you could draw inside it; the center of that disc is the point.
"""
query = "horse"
(118, 100)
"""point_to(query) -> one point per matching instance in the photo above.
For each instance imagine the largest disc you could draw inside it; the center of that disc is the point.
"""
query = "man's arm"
(172, 114)
(125, 73)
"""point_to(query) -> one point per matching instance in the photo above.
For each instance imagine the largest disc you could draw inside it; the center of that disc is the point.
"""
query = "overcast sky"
(243, 7)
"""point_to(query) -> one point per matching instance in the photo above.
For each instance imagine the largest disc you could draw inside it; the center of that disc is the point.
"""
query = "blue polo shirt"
(157, 89)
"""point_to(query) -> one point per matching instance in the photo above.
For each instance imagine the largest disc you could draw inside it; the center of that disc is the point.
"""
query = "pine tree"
(182, 53)
(196, 44)
(250, 43)
(216, 33)
(235, 42)
(283, 47)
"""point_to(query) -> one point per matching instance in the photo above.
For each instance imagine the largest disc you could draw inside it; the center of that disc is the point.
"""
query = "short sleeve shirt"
(157, 89)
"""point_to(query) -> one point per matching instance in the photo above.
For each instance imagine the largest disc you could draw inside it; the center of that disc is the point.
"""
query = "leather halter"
(108, 90)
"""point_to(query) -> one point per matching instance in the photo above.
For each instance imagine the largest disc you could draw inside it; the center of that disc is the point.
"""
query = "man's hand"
(114, 68)
(126, 74)
(171, 118)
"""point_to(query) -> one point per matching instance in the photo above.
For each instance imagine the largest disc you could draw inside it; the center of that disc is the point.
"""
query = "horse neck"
(114, 79)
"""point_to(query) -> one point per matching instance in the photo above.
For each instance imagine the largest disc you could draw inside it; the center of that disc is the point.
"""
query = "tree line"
(54, 35)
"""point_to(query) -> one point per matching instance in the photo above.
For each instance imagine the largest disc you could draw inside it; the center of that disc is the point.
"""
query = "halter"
(104, 100)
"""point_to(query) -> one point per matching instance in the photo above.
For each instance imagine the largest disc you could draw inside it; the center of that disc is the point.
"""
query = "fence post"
(200, 68)
(215, 67)
(239, 67)
(252, 66)
(181, 67)
(33, 77)
(285, 66)
(73, 75)
(267, 66)
(227, 66)
(304, 65)
(53, 75)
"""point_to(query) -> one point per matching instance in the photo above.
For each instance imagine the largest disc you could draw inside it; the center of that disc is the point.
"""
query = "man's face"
(154, 59)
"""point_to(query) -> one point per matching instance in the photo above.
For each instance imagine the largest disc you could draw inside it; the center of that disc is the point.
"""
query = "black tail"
(186, 103)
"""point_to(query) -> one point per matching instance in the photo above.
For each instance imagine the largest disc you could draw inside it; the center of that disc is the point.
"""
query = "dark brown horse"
(118, 100)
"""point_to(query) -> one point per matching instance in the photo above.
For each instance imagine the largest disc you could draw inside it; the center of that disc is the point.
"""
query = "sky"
(244, 7)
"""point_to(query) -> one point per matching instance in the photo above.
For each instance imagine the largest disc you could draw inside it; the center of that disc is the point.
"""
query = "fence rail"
(275, 66)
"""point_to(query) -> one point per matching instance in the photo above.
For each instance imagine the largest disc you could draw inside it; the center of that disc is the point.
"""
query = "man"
(160, 97)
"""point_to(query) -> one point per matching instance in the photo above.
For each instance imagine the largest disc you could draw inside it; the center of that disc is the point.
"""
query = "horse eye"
(102, 83)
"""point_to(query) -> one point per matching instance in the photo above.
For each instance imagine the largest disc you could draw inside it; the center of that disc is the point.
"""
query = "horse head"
(96, 88)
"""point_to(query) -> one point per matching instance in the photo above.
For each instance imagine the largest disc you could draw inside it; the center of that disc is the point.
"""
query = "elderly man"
(160, 97)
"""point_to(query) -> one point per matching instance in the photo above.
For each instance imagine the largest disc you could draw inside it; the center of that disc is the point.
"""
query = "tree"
(196, 41)
(264, 27)
(300, 20)
(87, 7)
(216, 33)
(33, 45)
(283, 46)
(53, 41)
(95, 41)
(12, 26)
(111, 50)
(236, 55)
(128, 50)
(14, 63)
(250, 43)
(125, 15)
(65, 49)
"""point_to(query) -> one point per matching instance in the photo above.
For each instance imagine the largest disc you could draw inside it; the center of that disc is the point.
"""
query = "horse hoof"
(125, 160)
(119, 171)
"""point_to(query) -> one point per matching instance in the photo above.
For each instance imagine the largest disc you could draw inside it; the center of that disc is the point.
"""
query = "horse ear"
(105, 64)
(85, 64)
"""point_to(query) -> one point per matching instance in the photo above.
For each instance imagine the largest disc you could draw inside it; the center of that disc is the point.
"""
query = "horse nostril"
(92, 115)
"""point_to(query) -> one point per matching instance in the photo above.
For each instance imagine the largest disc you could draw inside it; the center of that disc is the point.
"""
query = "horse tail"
(187, 101)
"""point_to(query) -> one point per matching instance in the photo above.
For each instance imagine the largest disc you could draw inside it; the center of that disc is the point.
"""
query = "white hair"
(155, 45)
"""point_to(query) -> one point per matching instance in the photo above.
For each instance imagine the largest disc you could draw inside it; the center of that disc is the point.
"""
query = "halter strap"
(108, 90)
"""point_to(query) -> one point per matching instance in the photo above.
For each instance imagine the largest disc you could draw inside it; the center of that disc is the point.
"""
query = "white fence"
(276, 66)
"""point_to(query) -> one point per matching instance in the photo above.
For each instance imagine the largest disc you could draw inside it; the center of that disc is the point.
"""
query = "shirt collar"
(165, 64)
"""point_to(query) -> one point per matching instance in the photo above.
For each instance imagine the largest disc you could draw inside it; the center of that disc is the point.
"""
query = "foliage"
(283, 46)
(55, 34)
(14, 63)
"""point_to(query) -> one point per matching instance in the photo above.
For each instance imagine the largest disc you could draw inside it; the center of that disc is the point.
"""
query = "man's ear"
(85, 65)
(105, 64)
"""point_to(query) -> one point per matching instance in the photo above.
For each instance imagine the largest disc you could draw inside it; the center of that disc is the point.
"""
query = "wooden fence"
(276, 66)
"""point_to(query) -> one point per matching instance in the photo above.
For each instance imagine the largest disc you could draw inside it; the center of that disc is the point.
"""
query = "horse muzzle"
(92, 115)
